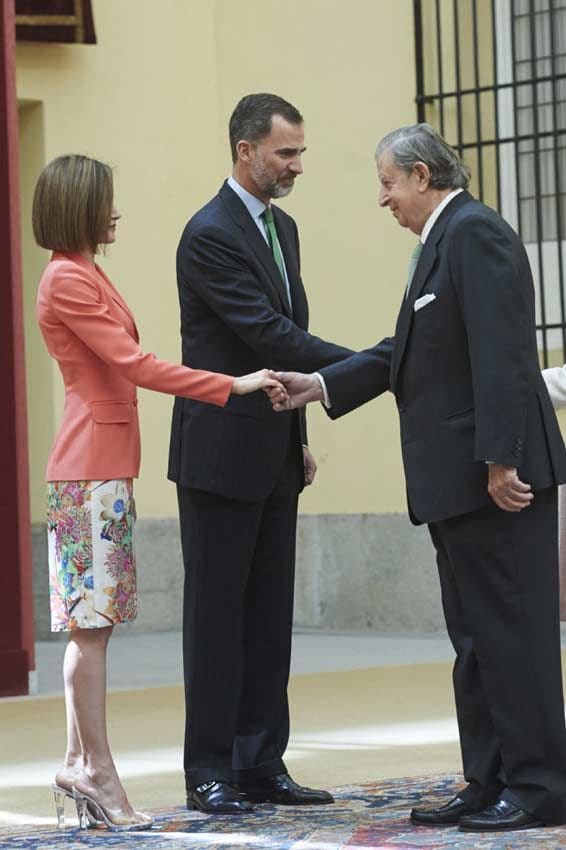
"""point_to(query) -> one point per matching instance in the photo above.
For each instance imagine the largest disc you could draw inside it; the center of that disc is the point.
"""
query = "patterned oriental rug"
(364, 817)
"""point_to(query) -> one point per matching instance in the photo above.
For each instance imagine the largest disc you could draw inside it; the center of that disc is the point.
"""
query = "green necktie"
(267, 216)
(412, 266)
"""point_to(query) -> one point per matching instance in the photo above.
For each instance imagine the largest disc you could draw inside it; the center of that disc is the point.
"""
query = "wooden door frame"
(16, 600)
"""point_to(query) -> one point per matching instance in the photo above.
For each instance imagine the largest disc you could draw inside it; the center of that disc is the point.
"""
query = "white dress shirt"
(555, 379)
(256, 208)
(433, 217)
(429, 224)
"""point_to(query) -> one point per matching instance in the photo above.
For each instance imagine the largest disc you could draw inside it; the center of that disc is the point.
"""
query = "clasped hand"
(265, 380)
(286, 390)
(299, 390)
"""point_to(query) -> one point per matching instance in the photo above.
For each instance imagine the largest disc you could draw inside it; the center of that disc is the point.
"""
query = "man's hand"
(310, 466)
(302, 389)
(506, 489)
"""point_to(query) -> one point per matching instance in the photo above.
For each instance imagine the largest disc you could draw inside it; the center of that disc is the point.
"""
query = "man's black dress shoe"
(217, 798)
(283, 790)
(499, 817)
(449, 813)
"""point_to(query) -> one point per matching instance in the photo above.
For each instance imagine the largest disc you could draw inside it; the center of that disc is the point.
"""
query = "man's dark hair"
(251, 119)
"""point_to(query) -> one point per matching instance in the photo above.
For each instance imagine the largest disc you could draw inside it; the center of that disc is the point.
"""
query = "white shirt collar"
(254, 206)
(432, 219)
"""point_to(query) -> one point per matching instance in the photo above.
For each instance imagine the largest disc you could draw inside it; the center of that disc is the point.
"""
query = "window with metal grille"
(491, 76)
(540, 54)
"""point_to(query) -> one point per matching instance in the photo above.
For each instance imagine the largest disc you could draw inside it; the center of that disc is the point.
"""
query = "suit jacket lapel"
(263, 252)
(405, 318)
(298, 296)
(258, 245)
(424, 267)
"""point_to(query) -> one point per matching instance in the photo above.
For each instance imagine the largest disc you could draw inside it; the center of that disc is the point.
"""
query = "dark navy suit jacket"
(464, 368)
(235, 318)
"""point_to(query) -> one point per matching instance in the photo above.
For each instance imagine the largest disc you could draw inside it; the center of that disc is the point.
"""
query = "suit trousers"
(499, 581)
(238, 611)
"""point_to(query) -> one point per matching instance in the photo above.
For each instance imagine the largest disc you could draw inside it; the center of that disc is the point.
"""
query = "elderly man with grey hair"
(483, 455)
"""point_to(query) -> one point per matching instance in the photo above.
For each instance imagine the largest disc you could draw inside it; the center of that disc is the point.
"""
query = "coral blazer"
(90, 331)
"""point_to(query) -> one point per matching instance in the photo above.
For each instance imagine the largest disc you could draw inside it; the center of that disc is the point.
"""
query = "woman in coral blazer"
(90, 331)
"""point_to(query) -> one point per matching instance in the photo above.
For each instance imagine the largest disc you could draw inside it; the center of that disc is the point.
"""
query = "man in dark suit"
(239, 470)
(483, 455)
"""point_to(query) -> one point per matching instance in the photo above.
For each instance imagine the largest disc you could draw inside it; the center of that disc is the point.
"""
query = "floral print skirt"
(92, 568)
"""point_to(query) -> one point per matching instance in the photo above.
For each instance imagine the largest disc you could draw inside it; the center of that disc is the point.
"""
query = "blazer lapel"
(405, 318)
(96, 272)
(420, 277)
(299, 306)
(258, 245)
(117, 298)
(263, 252)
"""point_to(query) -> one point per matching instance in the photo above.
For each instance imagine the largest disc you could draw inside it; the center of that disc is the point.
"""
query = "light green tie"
(412, 266)
(267, 216)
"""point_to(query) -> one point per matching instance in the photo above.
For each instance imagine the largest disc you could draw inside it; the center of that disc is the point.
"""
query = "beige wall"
(40, 370)
(153, 98)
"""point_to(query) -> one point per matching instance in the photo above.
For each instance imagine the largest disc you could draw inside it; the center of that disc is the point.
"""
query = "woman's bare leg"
(73, 761)
(93, 772)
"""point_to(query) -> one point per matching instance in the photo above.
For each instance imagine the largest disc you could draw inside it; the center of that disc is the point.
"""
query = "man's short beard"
(279, 191)
(266, 184)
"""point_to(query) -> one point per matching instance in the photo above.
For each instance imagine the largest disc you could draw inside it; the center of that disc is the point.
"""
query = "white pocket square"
(422, 302)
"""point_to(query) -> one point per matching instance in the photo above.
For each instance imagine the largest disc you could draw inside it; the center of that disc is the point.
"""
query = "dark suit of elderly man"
(483, 455)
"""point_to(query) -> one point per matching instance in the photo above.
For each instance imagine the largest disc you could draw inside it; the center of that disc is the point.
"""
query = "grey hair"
(422, 143)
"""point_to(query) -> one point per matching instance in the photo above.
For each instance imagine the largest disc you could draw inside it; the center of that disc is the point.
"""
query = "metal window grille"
(491, 76)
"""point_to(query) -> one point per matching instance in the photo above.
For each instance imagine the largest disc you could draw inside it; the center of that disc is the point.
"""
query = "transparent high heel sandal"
(59, 795)
(86, 805)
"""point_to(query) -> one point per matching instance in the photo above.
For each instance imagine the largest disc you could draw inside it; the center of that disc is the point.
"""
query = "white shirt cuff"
(325, 396)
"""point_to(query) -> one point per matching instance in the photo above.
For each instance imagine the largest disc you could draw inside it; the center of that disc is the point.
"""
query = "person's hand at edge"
(310, 466)
(506, 489)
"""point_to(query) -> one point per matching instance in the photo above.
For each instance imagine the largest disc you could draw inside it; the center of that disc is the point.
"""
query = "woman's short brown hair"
(72, 204)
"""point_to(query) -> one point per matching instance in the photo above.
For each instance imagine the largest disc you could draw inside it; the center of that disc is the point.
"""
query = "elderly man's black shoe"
(450, 813)
(500, 817)
(217, 798)
(283, 790)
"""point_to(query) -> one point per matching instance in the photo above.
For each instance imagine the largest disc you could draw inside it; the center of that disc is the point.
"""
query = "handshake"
(290, 390)
(286, 390)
